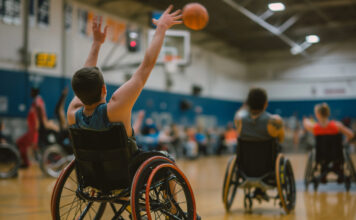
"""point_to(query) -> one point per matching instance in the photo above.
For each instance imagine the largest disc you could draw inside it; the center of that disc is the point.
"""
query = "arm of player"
(98, 39)
(345, 130)
(125, 97)
(275, 127)
(308, 125)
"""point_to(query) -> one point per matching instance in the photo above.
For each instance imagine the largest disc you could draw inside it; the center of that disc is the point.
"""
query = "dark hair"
(323, 109)
(256, 99)
(87, 83)
(35, 91)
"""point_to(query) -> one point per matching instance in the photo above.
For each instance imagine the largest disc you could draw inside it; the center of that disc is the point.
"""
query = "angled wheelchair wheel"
(285, 183)
(9, 161)
(169, 195)
(138, 199)
(231, 182)
(53, 160)
(308, 173)
(65, 203)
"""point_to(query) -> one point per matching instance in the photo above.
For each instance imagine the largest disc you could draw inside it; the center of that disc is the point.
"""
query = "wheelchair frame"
(153, 168)
(285, 184)
(12, 149)
(313, 167)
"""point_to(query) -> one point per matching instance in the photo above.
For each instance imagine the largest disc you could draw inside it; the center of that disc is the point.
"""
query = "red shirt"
(330, 129)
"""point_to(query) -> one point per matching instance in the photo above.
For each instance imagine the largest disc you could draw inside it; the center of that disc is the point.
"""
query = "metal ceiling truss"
(278, 31)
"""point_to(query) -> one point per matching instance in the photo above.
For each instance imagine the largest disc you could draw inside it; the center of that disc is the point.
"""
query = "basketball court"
(300, 54)
(28, 196)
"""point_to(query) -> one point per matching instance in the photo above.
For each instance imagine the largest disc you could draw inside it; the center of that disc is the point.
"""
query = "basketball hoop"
(171, 64)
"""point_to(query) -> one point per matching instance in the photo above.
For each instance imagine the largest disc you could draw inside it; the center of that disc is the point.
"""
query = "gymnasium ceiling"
(229, 31)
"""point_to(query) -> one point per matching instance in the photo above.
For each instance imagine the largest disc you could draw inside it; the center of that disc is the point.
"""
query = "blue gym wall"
(15, 85)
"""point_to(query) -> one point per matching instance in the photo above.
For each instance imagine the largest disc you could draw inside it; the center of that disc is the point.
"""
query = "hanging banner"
(68, 13)
(43, 12)
(11, 10)
(89, 23)
(116, 30)
(82, 21)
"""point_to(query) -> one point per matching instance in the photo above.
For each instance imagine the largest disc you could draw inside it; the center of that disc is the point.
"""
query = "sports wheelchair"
(329, 155)
(258, 165)
(109, 171)
(55, 151)
(9, 160)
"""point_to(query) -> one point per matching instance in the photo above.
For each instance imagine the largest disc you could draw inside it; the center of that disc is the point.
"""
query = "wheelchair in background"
(258, 166)
(108, 172)
(9, 160)
(55, 151)
(329, 156)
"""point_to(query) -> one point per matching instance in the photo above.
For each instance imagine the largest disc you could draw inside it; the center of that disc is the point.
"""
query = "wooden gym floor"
(28, 196)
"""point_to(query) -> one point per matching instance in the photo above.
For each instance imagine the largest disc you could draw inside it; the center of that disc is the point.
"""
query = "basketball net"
(171, 64)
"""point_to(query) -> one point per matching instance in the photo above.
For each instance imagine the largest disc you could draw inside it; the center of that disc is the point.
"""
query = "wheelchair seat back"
(103, 157)
(329, 148)
(256, 158)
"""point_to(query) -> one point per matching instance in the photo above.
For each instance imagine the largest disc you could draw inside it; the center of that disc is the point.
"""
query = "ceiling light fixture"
(313, 39)
(276, 6)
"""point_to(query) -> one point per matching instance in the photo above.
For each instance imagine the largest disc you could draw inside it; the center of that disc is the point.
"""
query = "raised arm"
(98, 40)
(125, 97)
(308, 125)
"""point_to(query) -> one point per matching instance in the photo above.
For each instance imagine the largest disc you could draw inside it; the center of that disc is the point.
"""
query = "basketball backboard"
(176, 47)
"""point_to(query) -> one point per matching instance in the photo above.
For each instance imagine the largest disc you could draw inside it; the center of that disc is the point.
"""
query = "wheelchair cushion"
(329, 148)
(103, 157)
(256, 158)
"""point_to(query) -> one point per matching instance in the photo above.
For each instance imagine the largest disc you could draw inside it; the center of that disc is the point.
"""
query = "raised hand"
(98, 35)
(169, 19)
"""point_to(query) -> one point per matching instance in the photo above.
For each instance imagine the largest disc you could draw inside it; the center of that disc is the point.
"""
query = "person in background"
(3, 138)
(325, 126)
(30, 138)
(254, 123)
(191, 145)
(230, 137)
(202, 141)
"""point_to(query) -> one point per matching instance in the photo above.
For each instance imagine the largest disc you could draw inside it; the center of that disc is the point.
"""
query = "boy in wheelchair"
(253, 123)
(329, 143)
(258, 165)
(115, 171)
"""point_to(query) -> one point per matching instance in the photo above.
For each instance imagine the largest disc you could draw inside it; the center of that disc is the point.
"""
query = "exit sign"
(46, 60)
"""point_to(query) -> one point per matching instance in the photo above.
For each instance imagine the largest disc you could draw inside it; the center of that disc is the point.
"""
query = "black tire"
(347, 184)
(230, 183)
(285, 183)
(350, 166)
(308, 174)
(315, 185)
(138, 203)
(170, 194)
(64, 196)
(9, 161)
(53, 160)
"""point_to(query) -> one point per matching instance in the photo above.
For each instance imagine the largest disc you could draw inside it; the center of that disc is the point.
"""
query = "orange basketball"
(195, 16)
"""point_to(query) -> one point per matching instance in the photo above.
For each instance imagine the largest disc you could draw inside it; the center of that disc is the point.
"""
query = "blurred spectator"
(191, 146)
(202, 141)
(213, 139)
(3, 138)
(230, 138)
(293, 125)
(176, 140)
